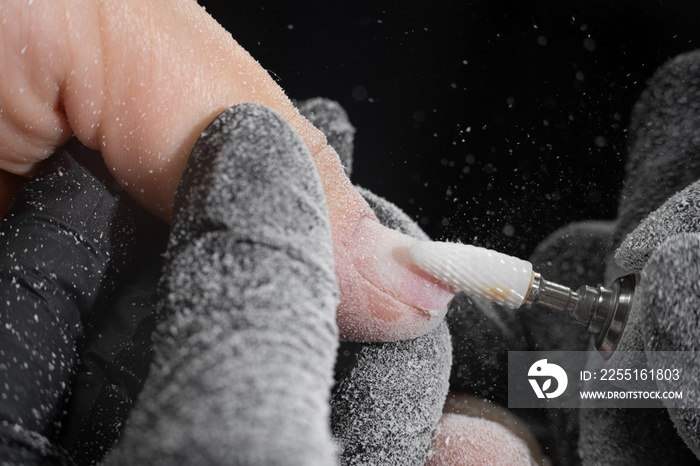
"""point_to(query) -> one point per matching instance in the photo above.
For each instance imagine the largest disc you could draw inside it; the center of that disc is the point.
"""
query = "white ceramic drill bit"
(476, 271)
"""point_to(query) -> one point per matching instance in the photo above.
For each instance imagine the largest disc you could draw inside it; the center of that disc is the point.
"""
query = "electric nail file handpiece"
(511, 282)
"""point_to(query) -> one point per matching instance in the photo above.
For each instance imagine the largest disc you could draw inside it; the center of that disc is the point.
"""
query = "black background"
(489, 122)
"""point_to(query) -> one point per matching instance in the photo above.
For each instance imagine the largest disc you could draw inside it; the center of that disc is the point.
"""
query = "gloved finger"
(664, 149)
(389, 396)
(114, 358)
(332, 120)
(664, 162)
(664, 158)
(388, 403)
(144, 107)
(245, 346)
(608, 436)
(65, 243)
(671, 322)
(116, 353)
(679, 214)
(113, 351)
(383, 428)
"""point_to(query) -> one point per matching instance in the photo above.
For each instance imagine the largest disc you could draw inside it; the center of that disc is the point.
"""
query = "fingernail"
(380, 255)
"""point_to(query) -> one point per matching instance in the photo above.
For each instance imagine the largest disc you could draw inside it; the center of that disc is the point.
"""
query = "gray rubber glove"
(246, 342)
(67, 243)
(664, 159)
(664, 249)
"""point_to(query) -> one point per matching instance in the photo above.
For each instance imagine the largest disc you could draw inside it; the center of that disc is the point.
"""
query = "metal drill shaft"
(552, 295)
(603, 311)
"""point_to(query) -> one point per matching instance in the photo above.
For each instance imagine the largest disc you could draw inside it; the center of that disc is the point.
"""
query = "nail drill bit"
(511, 282)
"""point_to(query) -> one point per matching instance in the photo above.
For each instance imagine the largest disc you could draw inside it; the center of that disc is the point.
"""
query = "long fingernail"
(380, 255)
